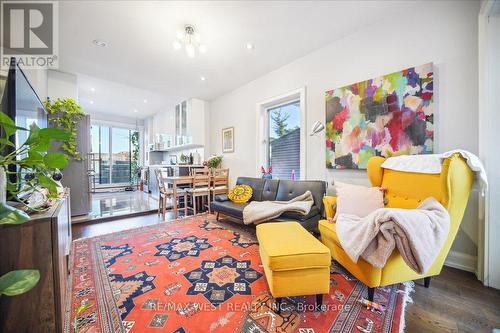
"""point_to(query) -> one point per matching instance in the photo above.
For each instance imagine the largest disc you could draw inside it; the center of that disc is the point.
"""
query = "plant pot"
(3, 186)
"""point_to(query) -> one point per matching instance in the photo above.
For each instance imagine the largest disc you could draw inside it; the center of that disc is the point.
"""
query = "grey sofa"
(281, 190)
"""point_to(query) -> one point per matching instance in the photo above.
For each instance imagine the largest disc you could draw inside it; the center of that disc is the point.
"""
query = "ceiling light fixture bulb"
(203, 78)
(92, 89)
(190, 51)
(191, 41)
(249, 46)
(135, 110)
(91, 102)
(176, 45)
(145, 101)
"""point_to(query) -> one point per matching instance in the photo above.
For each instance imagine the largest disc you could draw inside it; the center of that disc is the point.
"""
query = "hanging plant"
(64, 113)
(136, 169)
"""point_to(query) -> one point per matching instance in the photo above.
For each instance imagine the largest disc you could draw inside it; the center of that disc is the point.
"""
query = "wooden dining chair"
(200, 189)
(220, 182)
(165, 193)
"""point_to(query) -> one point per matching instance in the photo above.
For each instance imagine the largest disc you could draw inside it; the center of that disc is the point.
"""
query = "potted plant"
(65, 113)
(213, 162)
(39, 170)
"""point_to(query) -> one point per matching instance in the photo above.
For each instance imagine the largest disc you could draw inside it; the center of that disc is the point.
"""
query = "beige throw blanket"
(261, 211)
(419, 234)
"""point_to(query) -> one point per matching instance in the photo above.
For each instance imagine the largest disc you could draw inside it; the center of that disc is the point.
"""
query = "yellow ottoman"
(295, 262)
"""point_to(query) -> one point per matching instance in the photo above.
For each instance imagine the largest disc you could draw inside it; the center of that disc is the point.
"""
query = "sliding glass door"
(112, 154)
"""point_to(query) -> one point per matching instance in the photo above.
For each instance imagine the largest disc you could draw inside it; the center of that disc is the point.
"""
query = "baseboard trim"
(462, 261)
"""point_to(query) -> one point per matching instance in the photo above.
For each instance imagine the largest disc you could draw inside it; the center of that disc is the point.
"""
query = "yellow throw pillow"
(240, 193)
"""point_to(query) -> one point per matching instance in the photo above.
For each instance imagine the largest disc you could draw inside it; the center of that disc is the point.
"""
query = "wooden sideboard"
(42, 243)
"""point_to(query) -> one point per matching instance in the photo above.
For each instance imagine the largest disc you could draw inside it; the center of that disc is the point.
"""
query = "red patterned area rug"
(202, 275)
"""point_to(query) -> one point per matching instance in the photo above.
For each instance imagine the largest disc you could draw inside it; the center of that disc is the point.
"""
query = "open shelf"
(180, 147)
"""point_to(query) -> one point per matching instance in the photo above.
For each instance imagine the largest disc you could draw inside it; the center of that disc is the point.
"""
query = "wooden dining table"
(175, 181)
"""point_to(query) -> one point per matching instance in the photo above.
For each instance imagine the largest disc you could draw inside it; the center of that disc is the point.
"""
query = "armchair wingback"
(406, 190)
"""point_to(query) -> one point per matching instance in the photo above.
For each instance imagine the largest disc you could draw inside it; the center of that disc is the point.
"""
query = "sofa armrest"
(221, 198)
(330, 204)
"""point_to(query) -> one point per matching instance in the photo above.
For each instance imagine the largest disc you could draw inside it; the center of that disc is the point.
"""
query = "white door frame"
(263, 127)
(488, 270)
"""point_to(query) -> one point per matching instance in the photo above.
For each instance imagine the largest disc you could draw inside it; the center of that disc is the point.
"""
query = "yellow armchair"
(405, 190)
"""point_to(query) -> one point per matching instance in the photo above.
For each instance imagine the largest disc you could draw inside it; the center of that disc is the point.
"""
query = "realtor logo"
(29, 32)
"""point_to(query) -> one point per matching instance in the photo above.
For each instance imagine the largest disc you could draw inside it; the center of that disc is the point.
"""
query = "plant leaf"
(18, 282)
(34, 135)
(8, 124)
(56, 160)
(11, 215)
(6, 142)
(41, 145)
(54, 134)
(47, 182)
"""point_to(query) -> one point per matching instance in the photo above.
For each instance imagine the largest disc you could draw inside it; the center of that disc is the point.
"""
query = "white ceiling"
(140, 54)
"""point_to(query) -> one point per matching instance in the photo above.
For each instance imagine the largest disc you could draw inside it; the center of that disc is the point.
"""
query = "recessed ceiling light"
(203, 78)
(135, 110)
(99, 42)
(91, 102)
(249, 46)
(92, 89)
(145, 101)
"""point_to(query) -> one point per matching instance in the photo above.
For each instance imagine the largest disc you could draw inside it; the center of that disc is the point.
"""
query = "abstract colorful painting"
(386, 116)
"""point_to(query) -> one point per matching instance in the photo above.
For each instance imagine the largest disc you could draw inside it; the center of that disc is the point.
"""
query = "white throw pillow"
(358, 200)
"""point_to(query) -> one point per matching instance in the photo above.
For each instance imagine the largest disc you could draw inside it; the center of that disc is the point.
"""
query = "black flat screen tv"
(21, 103)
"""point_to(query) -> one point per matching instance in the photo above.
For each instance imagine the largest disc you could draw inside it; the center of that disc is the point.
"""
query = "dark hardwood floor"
(455, 302)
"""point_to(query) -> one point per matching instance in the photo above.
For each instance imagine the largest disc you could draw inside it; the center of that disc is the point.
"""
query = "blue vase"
(267, 175)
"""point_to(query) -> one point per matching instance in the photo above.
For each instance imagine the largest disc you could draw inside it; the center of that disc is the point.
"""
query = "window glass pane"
(284, 141)
(104, 156)
(121, 155)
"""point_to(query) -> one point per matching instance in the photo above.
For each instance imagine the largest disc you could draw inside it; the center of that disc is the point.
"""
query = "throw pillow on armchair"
(358, 200)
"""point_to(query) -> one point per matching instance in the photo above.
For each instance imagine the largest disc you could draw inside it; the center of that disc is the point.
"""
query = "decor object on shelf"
(184, 159)
(385, 116)
(406, 190)
(240, 193)
(228, 140)
(213, 162)
(206, 278)
(191, 41)
(266, 174)
(36, 167)
(65, 113)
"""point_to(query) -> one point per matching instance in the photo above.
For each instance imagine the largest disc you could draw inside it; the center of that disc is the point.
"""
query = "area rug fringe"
(409, 288)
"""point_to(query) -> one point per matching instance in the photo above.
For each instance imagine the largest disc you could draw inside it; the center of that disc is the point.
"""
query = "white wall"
(62, 85)
(441, 32)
